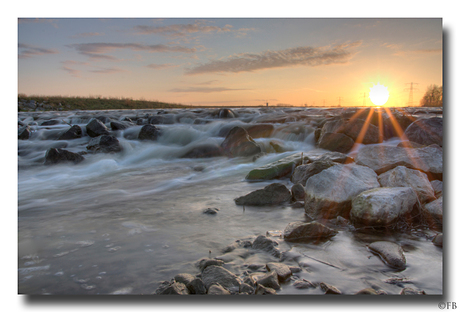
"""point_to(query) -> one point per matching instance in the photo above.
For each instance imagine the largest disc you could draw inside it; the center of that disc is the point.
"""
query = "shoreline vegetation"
(68, 103)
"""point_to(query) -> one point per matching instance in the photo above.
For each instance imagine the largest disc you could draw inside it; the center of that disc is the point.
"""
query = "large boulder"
(402, 176)
(303, 172)
(218, 275)
(73, 133)
(273, 194)
(58, 155)
(382, 206)
(329, 193)
(425, 131)
(104, 144)
(260, 130)
(390, 253)
(382, 158)
(355, 128)
(96, 128)
(337, 142)
(239, 143)
(149, 132)
(307, 232)
(433, 212)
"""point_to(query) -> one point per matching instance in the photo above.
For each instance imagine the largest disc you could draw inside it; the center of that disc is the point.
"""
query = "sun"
(379, 94)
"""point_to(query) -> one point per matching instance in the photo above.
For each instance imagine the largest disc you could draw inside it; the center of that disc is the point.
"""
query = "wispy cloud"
(99, 50)
(27, 51)
(306, 56)
(87, 34)
(107, 70)
(204, 90)
(161, 66)
(73, 72)
(178, 30)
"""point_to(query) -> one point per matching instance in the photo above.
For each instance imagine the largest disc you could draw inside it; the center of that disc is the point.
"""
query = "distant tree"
(432, 97)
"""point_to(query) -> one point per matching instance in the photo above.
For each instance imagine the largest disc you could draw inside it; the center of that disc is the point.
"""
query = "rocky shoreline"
(358, 184)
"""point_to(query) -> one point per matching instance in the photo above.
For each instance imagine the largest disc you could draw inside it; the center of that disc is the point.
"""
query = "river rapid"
(121, 223)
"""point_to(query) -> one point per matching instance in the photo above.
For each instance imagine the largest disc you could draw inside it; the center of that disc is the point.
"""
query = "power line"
(411, 92)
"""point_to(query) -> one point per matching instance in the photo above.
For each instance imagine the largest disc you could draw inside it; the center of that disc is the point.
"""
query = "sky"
(231, 61)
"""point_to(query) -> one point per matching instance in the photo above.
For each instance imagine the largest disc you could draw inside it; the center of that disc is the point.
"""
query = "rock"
(382, 158)
(278, 146)
(204, 151)
(337, 157)
(367, 291)
(184, 278)
(390, 253)
(73, 133)
(196, 287)
(214, 274)
(226, 113)
(269, 280)
(329, 289)
(303, 172)
(307, 232)
(337, 142)
(382, 206)
(281, 270)
(411, 291)
(103, 119)
(425, 131)
(276, 170)
(266, 244)
(238, 143)
(211, 211)
(204, 263)
(96, 128)
(216, 289)
(437, 187)
(273, 194)
(260, 130)
(161, 119)
(298, 192)
(174, 289)
(329, 193)
(410, 144)
(433, 212)
(104, 144)
(149, 132)
(355, 128)
(246, 289)
(58, 155)
(437, 240)
(50, 122)
(402, 176)
(303, 284)
(117, 125)
(261, 290)
(24, 133)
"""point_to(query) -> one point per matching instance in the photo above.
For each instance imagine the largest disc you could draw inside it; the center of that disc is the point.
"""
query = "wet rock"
(50, 122)
(118, 125)
(103, 119)
(269, 280)
(382, 206)
(73, 133)
(214, 274)
(149, 132)
(96, 128)
(184, 278)
(204, 263)
(266, 244)
(246, 289)
(237, 244)
(367, 291)
(24, 133)
(161, 119)
(437, 187)
(104, 144)
(173, 289)
(298, 192)
(329, 193)
(276, 170)
(402, 176)
(433, 212)
(58, 155)
(382, 158)
(273, 194)
(217, 289)
(329, 289)
(426, 131)
(226, 113)
(337, 142)
(307, 232)
(437, 240)
(204, 151)
(391, 254)
(238, 143)
(281, 270)
(411, 291)
(278, 146)
(303, 172)
(211, 211)
(260, 130)
(196, 287)
(261, 290)
(303, 284)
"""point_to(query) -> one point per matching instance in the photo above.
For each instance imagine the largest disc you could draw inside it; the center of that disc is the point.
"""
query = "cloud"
(179, 30)
(71, 71)
(161, 66)
(306, 56)
(85, 35)
(30, 50)
(98, 50)
(204, 90)
(107, 71)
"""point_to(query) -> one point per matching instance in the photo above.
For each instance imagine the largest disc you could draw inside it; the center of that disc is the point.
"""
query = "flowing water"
(122, 223)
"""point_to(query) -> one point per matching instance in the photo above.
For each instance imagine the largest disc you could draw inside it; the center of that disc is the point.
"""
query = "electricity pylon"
(411, 92)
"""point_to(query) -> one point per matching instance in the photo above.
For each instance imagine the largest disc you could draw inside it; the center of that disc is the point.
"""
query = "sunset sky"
(231, 61)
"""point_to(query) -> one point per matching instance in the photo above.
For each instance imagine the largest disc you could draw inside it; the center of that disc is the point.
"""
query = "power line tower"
(411, 92)
(364, 99)
(340, 101)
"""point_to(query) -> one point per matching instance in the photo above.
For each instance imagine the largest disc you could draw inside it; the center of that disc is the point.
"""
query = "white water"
(121, 223)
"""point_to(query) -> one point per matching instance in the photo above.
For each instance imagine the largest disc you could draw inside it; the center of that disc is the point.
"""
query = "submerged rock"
(390, 253)
(104, 144)
(307, 232)
(149, 132)
(204, 151)
(73, 133)
(382, 206)
(239, 143)
(58, 155)
(273, 194)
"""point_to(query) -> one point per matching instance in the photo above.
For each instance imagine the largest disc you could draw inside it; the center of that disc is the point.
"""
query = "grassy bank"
(89, 103)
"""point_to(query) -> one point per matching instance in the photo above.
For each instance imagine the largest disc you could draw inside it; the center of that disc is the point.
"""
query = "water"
(122, 223)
